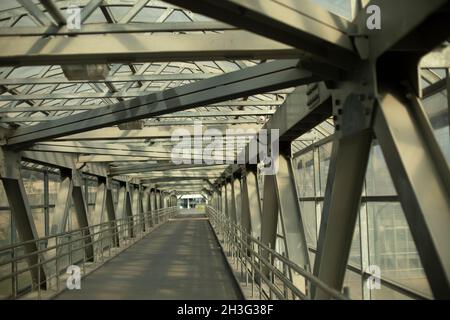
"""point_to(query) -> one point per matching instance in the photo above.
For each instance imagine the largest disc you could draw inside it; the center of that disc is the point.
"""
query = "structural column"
(11, 177)
(111, 213)
(237, 197)
(251, 205)
(79, 203)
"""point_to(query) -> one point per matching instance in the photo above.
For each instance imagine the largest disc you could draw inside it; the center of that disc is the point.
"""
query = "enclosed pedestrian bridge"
(224, 150)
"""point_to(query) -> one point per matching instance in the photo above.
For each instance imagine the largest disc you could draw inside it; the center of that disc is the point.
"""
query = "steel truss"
(367, 82)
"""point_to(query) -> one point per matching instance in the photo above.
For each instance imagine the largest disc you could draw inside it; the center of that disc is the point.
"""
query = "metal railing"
(87, 246)
(272, 273)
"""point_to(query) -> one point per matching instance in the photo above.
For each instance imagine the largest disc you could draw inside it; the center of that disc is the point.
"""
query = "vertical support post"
(152, 204)
(231, 201)
(158, 204)
(81, 210)
(129, 210)
(448, 94)
(341, 207)
(145, 205)
(237, 198)
(364, 239)
(62, 204)
(270, 208)
(294, 232)
(11, 177)
(421, 177)
(111, 213)
(121, 210)
(225, 199)
(46, 205)
(253, 207)
(100, 202)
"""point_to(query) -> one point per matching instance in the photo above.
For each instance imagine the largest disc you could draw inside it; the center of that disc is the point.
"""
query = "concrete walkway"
(179, 260)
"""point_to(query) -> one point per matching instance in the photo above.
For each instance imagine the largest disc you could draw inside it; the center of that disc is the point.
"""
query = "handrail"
(238, 238)
(100, 237)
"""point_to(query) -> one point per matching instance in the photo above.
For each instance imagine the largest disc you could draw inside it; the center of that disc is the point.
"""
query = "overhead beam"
(54, 12)
(300, 24)
(35, 12)
(295, 117)
(249, 81)
(424, 25)
(108, 28)
(110, 78)
(174, 115)
(138, 47)
(160, 132)
(46, 107)
(142, 168)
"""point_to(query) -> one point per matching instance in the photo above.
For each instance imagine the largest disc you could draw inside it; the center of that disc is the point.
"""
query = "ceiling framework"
(115, 97)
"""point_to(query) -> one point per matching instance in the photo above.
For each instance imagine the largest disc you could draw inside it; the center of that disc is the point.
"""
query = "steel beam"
(422, 179)
(289, 208)
(423, 25)
(251, 205)
(35, 12)
(54, 11)
(111, 214)
(11, 177)
(237, 200)
(108, 28)
(62, 204)
(142, 168)
(261, 78)
(269, 218)
(138, 47)
(341, 208)
(81, 212)
(109, 78)
(159, 132)
(301, 24)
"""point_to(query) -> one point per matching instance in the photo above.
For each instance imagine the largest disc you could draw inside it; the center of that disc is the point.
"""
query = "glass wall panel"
(92, 185)
(378, 179)
(353, 281)
(305, 175)
(34, 187)
(392, 248)
(386, 293)
(308, 211)
(355, 250)
(324, 163)
(436, 108)
(5, 239)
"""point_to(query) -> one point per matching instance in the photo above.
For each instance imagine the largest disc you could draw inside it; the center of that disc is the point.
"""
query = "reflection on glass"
(34, 186)
(39, 221)
(308, 211)
(385, 293)
(378, 179)
(392, 248)
(305, 175)
(353, 282)
(342, 8)
(436, 108)
(324, 163)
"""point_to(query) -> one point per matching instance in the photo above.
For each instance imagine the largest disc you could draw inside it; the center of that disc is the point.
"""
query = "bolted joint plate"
(354, 101)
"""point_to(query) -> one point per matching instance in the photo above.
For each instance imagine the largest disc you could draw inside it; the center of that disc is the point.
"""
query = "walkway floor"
(179, 260)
